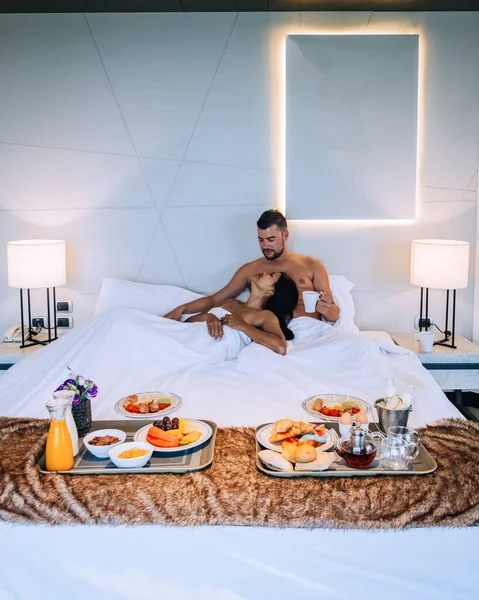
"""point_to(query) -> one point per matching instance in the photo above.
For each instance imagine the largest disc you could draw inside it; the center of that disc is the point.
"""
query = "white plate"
(175, 402)
(263, 434)
(332, 400)
(201, 426)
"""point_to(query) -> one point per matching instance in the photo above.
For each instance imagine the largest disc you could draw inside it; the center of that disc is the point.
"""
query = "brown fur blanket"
(233, 492)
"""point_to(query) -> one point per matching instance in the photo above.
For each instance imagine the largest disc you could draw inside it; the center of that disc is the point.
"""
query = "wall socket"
(64, 306)
(416, 322)
(38, 322)
(65, 322)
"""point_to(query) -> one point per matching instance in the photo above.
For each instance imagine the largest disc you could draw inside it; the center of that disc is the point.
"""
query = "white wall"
(150, 143)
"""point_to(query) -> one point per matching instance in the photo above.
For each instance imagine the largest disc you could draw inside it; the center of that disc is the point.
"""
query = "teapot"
(359, 447)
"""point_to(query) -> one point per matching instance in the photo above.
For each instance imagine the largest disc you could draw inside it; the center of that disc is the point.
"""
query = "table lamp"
(441, 265)
(36, 264)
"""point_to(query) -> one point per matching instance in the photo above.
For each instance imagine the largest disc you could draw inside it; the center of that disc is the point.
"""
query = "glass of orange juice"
(59, 451)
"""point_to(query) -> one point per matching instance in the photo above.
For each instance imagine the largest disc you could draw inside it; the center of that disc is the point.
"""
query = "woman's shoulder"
(258, 317)
(232, 304)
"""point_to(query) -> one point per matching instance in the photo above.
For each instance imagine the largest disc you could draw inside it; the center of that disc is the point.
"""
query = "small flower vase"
(82, 416)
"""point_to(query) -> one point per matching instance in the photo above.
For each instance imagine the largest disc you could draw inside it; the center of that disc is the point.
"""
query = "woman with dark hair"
(263, 318)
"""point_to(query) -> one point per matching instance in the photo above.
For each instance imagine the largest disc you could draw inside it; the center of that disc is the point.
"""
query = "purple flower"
(83, 388)
(92, 392)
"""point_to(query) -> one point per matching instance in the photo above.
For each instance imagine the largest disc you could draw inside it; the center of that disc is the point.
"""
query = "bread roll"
(305, 454)
(288, 451)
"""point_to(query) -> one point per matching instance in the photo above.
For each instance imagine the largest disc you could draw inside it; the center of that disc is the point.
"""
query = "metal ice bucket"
(391, 418)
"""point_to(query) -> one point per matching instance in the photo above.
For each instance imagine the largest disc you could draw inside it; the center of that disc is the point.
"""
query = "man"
(308, 273)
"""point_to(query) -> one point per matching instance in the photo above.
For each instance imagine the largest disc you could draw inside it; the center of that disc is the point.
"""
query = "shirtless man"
(308, 273)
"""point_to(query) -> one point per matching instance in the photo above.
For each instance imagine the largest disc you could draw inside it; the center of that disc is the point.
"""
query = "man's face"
(272, 241)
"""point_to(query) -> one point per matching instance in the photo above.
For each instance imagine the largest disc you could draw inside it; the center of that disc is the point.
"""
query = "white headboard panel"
(151, 143)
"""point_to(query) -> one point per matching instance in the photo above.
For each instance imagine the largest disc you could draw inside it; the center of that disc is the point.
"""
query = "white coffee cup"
(426, 339)
(310, 299)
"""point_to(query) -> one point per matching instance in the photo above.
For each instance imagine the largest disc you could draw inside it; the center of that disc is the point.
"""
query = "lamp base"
(449, 335)
(33, 342)
(444, 343)
(27, 331)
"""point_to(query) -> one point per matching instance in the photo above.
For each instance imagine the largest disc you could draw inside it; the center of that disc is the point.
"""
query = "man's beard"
(274, 254)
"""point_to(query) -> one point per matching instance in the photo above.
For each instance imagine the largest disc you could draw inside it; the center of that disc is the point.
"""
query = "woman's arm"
(214, 325)
(270, 336)
(232, 289)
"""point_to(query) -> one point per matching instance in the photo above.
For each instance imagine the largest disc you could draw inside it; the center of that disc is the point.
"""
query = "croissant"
(281, 432)
(133, 399)
(282, 426)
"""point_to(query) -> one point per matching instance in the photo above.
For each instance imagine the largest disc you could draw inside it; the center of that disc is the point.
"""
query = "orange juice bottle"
(59, 452)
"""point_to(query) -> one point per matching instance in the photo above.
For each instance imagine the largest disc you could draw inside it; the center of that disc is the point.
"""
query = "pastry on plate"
(318, 404)
(132, 399)
(285, 428)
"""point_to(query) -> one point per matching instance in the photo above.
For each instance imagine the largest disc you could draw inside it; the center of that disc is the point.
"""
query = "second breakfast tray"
(423, 464)
(183, 461)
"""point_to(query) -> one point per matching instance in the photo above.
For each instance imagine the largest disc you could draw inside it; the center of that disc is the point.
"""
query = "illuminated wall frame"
(351, 126)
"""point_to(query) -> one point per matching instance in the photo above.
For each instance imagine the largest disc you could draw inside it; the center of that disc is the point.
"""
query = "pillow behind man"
(160, 299)
(154, 299)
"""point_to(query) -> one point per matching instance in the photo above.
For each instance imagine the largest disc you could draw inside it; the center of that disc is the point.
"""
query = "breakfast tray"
(183, 461)
(423, 464)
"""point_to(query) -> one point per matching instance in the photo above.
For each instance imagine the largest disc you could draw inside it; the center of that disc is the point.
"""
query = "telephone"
(14, 334)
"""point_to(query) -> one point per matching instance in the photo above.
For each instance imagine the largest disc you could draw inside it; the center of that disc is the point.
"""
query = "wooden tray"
(423, 464)
(183, 461)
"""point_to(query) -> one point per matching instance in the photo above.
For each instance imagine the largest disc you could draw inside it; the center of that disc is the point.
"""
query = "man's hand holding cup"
(319, 302)
(324, 304)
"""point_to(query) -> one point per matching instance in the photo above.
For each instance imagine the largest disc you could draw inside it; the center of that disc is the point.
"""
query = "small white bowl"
(131, 463)
(103, 451)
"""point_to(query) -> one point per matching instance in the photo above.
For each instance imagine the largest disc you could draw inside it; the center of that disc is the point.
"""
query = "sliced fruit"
(191, 437)
(159, 434)
(161, 443)
(176, 432)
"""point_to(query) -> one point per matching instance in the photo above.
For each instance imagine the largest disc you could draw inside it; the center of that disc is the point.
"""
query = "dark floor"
(467, 403)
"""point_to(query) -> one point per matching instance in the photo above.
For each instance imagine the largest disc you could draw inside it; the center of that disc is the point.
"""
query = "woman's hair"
(283, 302)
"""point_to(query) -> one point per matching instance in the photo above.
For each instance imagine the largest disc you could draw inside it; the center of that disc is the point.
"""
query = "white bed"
(124, 351)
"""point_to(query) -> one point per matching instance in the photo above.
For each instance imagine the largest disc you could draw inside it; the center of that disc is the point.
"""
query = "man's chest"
(301, 276)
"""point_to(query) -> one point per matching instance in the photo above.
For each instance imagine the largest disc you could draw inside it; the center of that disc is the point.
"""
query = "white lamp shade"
(36, 263)
(440, 264)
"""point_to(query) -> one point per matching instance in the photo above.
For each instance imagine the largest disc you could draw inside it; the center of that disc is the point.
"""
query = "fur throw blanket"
(233, 492)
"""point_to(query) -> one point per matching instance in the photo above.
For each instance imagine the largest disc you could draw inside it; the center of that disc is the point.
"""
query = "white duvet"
(126, 351)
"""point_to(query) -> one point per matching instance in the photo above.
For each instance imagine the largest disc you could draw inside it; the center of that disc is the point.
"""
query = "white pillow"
(154, 299)
(341, 288)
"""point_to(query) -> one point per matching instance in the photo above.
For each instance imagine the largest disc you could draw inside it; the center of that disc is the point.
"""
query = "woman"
(263, 318)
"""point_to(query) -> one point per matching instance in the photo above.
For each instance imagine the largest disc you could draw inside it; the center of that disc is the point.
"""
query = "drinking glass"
(410, 437)
(394, 454)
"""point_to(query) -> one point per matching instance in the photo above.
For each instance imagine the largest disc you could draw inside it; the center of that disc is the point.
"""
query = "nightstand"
(454, 369)
(11, 353)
